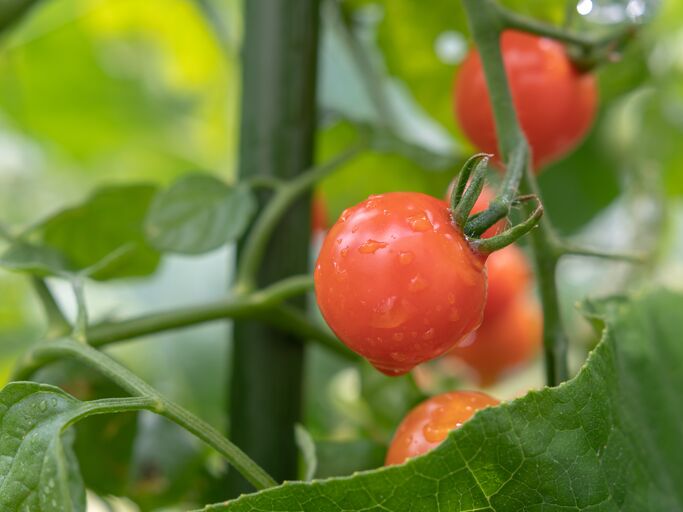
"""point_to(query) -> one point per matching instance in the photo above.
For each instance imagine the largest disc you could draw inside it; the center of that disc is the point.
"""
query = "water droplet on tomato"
(429, 334)
(389, 314)
(454, 315)
(451, 298)
(399, 356)
(419, 222)
(371, 246)
(435, 432)
(405, 257)
(418, 283)
(344, 251)
(397, 336)
(354, 228)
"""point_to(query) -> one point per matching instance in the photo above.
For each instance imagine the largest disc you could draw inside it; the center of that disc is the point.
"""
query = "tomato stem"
(585, 51)
(567, 249)
(487, 21)
(263, 305)
(510, 235)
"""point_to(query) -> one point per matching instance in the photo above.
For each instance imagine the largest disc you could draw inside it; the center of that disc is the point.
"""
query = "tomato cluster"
(511, 331)
(400, 284)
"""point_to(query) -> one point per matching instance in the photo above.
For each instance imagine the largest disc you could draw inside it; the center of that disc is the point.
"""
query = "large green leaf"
(197, 214)
(110, 221)
(37, 467)
(610, 439)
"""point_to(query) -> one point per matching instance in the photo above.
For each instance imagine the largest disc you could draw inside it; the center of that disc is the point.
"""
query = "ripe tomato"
(504, 341)
(397, 282)
(319, 222)
(509, 275)
(555, 102)
(428, 424)
(487, 195)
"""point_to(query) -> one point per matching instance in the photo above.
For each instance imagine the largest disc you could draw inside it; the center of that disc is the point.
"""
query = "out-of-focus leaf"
(111, 219)
(342, 458)
(12, 10)
(371, 173)
(35, 259)
(606, 440)
(37, 468)
(197, 214)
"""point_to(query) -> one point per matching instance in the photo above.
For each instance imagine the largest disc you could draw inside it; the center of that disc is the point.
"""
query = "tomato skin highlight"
(509, 275)
(503, 342)
(427, 425)
(555, 102)
(397, 283)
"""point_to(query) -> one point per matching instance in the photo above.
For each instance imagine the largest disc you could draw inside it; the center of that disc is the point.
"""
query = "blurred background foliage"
(101, 92)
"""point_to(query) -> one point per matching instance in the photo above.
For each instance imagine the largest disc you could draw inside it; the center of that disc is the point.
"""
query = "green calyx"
(464, 196)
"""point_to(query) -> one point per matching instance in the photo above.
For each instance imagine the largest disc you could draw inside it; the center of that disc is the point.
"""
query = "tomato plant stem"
(263, 305)
(568, 249)
(276, 140)
(487, 21)
(58, 325)
(50, 351)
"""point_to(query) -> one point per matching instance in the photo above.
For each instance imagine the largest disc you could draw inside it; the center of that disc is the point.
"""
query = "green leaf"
(607, 440)
(197, 214)
(109, 222)
(35, 259)
(104, 443)
(38, 470)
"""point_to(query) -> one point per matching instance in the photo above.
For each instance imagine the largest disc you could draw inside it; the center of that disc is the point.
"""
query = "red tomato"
(509, 275)
(397, 282)
(504, 341)
(319, 220)
(555, 102)
(428, 424)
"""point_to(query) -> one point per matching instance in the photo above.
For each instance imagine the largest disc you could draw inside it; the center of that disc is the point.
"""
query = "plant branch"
(265, 305)
(113, 406)
(257, 241)
(46, 353)
(57, 323)
(567, 249)
(487, 21)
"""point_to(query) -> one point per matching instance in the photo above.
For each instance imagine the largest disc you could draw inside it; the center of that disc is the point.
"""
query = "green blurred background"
(96, 92)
